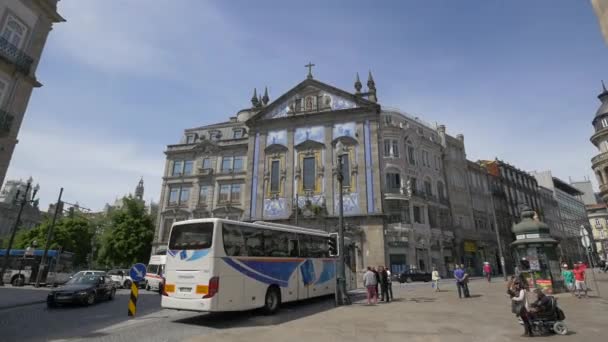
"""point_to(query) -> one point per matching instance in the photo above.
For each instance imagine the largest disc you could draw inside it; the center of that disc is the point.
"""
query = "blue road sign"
(138, 272)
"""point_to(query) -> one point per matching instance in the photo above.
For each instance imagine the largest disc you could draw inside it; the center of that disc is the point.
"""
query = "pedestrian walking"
(435, 278)
(377, 275)
(487, 271)
(459, 276)
(390, 283)
(568, 278)
(465, 282)
(518, 306)
(579, 280)
(383, 284)
(370, 283)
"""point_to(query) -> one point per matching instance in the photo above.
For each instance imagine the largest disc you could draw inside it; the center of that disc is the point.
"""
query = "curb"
(21, 304)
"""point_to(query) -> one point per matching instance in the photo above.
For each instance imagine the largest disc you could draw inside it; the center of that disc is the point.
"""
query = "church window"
(309, 173)
(274, 175)
(14, 31)
(345, 168)
(309, 103)
(298, 105)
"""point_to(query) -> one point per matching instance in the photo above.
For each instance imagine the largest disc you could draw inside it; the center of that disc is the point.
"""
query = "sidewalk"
(420, 314)
(11, 297)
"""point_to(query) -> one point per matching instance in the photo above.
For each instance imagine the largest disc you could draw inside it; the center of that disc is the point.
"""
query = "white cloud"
(163, 38)
(92, 170)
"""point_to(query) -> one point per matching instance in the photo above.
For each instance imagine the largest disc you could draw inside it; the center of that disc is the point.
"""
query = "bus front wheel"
(272, 300)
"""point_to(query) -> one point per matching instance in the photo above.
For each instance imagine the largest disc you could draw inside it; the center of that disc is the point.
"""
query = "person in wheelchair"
(542, 307)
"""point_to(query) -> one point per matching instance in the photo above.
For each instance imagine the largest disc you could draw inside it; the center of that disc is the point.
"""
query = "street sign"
(138, 272)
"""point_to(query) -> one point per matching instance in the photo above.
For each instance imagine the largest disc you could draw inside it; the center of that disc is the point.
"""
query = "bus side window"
(294, 249)
(276, 243)
(305, 245)
(234, 243)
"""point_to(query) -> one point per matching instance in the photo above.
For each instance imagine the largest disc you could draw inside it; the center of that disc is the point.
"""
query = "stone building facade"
(205, 175)
(24, 28)
(598, 221)
(415, 200)
(599, 163)
(411, 198)
(572, 213)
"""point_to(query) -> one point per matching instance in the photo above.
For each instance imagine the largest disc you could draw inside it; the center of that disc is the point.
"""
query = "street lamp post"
(341, 293)
(22, 204)
(49, 237)
(498, 241)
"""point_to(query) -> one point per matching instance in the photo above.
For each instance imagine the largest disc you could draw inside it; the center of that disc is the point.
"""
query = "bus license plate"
(185, 289)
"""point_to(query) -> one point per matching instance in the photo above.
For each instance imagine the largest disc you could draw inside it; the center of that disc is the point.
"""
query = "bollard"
(133, 299)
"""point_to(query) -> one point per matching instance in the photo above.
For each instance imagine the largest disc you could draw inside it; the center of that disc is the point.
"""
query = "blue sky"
(122, 79)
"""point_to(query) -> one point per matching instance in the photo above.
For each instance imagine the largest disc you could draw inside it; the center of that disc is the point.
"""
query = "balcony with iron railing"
(13, 55)
(6, 122)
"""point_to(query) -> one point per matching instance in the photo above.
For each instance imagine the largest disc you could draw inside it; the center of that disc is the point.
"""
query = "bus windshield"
(191, 236)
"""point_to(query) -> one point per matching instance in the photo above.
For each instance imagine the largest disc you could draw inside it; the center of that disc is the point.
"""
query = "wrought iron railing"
(14, 55)
(6, 122)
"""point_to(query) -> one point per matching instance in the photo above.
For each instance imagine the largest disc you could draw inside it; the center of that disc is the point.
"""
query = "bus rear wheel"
(272, 301)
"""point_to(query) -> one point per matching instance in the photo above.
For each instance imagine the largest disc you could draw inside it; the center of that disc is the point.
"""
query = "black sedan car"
(414, 275)
(84, 290)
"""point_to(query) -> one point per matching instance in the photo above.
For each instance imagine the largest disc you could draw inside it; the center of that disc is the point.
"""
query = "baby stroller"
(549, 321)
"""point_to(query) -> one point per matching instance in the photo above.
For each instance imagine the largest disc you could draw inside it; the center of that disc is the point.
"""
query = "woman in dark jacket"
(377, 278)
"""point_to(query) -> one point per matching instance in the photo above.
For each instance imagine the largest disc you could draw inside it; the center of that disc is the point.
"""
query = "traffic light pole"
(49, 237)
(341, 293)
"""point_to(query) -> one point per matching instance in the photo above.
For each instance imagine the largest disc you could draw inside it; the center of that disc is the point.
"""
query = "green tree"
(129, 239)
(74, 234)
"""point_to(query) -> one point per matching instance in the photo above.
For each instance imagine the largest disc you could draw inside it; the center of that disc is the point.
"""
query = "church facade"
(278, 161)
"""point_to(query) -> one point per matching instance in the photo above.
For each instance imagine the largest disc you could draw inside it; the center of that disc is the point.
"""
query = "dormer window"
(215, 135)
(604, 123)
(190, 139)
(238, 133)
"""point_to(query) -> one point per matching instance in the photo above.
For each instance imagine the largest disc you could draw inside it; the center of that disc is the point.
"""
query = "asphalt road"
(37, 323)
(108, 320)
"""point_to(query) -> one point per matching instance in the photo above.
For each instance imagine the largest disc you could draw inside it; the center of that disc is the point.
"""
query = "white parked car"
(121, 278)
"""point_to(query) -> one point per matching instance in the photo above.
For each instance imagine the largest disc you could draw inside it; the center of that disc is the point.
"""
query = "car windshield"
(84, 279)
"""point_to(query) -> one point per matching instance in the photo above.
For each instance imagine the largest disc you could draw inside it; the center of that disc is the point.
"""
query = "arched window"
(440, 193)
(428, 187)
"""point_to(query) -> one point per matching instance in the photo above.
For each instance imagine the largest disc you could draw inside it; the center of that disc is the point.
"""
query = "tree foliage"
(74, 234)
(128, 240)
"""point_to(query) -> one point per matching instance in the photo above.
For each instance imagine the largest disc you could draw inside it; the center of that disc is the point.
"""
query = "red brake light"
(214, 287)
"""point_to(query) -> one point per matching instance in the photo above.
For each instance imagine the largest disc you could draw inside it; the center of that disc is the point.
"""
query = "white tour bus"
(223, 265)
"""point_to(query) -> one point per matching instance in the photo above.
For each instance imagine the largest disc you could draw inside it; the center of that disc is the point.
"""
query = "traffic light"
(332, 242)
